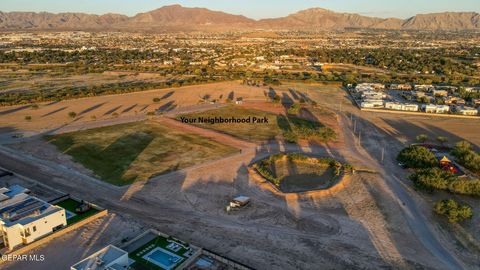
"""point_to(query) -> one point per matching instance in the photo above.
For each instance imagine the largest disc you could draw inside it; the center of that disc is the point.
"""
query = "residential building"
(466, 110)
(371, 103)
(404, 87)
(454, 100)
(472, 89)
(424, 87)
(108, 258)
(401, 106)
(476, 102)
(369, 94)
(370, 86)
(431, 108)
(25, 218)
(440, 93)
(418, 94)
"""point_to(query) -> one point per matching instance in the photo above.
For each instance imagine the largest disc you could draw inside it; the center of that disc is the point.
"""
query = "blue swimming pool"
(69, 214)
(163, 258)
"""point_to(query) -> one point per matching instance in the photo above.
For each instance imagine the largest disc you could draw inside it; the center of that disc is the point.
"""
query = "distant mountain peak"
(178, 18)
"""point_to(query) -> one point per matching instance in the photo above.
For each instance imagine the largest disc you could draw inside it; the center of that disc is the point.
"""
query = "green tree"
(422, 138)
(294, 109)
(465, 155)
(72, 114)
(432, 178)
(454, 211)
(417, 157)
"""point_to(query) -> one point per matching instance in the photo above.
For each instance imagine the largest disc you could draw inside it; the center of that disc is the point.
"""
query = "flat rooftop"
(18, 207)
(102, 260)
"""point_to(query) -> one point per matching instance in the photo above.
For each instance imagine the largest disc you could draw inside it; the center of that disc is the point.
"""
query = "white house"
(25, 218)
(430, 108)
(424, 87)
(108, 258)
(467, 110)
(401, 106)
(371, 103)
(369, 94)
(369, 86)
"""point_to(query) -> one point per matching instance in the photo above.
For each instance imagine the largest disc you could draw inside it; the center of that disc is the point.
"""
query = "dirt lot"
(377, 221)
(355, 228)
(55, 114)
(31, 81)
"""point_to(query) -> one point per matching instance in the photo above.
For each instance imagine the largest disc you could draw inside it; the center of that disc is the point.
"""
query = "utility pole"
(383, 152)
(360, 138)
(355, 126)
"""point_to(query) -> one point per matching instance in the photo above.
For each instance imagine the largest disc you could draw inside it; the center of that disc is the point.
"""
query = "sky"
(255, 9)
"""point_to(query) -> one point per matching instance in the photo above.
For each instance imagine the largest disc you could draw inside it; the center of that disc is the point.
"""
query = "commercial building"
(25, 218)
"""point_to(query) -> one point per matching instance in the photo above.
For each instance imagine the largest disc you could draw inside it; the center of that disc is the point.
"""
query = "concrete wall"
(421, 113)
(233, 264)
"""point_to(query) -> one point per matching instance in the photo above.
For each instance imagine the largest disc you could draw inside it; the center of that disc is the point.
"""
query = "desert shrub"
(276, 99)
(28, 118)
(417, 157)
(263, 169)
(297, 157)
(72, 114)
(290, 136)
(156, 100)
(348, 168)
(294, 109)
(454, 211)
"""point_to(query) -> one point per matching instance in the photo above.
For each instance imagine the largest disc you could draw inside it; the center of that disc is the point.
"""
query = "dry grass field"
(54, 114)
(276, 126)
(126, 153)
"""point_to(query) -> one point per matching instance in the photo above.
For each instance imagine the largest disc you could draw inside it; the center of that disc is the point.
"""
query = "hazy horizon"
(248, 8)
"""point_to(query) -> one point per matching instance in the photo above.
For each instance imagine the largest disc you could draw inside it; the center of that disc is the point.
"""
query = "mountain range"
(178, 18)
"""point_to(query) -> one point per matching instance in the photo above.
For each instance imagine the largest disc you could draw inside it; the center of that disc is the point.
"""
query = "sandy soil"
(55, 114)
(363, 226)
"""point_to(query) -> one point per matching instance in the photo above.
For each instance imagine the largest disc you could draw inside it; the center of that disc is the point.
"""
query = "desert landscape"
(239, 136)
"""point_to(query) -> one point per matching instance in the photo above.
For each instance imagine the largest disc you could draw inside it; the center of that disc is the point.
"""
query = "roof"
(242, 199)
(17, 207)
(445, 159)
(102, 260)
